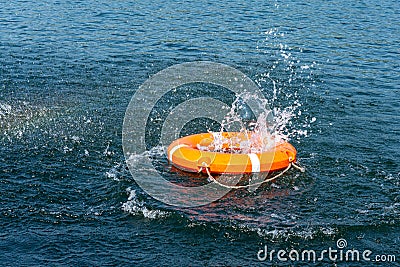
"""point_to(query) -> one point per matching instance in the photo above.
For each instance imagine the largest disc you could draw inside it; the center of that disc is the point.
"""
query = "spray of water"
(283, 117)
(256, 134)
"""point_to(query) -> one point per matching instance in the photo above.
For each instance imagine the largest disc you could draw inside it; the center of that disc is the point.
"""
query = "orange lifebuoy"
(184, 153)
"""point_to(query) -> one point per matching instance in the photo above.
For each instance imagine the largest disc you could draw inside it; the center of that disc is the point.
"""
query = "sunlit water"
(329, 70)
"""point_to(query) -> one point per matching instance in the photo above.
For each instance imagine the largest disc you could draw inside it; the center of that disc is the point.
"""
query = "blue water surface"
(69, 69)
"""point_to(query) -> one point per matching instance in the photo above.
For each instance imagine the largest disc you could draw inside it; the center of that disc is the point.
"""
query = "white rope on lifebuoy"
(206, 167)
(302, 169)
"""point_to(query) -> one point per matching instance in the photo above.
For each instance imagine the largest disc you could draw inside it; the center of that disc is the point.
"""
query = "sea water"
(329, 70)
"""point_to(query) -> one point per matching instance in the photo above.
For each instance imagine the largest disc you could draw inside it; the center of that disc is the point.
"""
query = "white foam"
(305, 234)
(135, 206)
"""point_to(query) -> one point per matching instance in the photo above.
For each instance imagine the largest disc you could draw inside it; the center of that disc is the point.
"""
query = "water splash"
(138, 160)
(116, 172)
(251, 137)
(136, 206)
(257, 134)
(284, 115)
(287, 82)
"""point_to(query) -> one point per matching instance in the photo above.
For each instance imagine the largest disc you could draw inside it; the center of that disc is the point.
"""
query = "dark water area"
(67, 74)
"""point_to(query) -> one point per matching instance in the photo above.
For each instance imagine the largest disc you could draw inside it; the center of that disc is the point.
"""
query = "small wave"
(272, 233)
(140, 162)
(137, 207)
(305, 234)
(153, 152)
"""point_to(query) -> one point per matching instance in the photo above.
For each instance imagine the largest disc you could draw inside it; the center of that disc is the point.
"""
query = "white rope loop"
(302, 169)
(291, 163)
